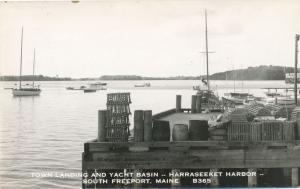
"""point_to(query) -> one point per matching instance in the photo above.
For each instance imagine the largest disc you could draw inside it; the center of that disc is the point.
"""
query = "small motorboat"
(97, 86)
(89, 90)
(272, 94)
(70, 88)
(143, 85)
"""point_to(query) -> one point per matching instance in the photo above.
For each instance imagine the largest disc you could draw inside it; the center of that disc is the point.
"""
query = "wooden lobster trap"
(117, 126)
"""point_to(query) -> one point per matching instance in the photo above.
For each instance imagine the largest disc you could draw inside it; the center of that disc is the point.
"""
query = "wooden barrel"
(218, 134)
(193, 105)
(198, 130)
(180, 132)
(138, 125)
(147, 125)
(161, 130)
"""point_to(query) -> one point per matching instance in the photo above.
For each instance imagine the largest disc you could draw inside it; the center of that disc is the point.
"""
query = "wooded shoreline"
(250, 73)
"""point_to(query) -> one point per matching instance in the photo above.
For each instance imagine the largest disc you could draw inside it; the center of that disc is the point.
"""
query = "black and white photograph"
(149, 94)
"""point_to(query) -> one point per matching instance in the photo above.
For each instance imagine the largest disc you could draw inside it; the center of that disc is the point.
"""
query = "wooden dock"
(191, 154)
(250, 146)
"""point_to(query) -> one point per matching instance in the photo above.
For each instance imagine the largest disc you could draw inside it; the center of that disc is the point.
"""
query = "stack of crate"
(294, 113)
(117, 127)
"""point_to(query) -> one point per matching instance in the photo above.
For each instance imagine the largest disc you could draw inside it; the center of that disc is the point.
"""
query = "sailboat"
(26, 91)
(238, 97)
(209, 100)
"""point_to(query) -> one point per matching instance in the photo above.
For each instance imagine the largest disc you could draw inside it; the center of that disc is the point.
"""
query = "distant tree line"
(135, 77)
(250, 73)
(36, 78)
(254, 73)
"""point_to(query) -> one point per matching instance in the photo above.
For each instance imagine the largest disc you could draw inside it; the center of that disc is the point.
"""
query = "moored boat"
(89, 90)
(143, 85)
(97, 86)
(26, 91)
(239, 98)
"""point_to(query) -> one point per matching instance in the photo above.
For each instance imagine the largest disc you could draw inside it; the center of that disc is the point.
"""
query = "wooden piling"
(298, 126)
(295, 177)
(252, 180)
(148, 125)
(101, 125)
(178, 103)
(193, 105)
(198, 104)
(138, 125)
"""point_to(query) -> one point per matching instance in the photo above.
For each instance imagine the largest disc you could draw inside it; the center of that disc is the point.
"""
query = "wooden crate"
(117, 125)
(289, 130)
(238, 131)
(118, 120)
(272, 130)
(255, 131)
(294, 113)
(118, 98)
(119, 108)
(284, 112)
(117, 134)
(218, 134)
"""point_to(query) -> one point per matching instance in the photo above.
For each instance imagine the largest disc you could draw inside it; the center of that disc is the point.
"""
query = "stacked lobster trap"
(118, 111)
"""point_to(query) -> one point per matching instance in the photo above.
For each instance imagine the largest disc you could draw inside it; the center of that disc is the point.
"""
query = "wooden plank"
(198, 159)
(99, 146)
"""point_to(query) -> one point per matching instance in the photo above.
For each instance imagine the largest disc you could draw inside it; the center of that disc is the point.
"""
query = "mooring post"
(148, 125)
(175, 178)
(101, 125)
(178, 103)
(295, 177)
(214, 179)
(138, 125)
(252, 180)
(298, 126)
(193, 105)
(198, 104)
(296, 68)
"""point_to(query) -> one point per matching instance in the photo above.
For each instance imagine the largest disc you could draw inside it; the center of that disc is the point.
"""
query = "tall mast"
(20, 78)
(206, 51)
(33, 68)
(296, 67)
(234, 77)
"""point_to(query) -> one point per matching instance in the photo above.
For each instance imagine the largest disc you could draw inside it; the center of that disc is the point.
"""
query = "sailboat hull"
(26, 92)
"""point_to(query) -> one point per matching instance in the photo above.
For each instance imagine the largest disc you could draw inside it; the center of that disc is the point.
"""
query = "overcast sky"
(148, 38)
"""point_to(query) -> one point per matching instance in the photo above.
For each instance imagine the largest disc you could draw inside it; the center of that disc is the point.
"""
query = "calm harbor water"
(45, 134)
